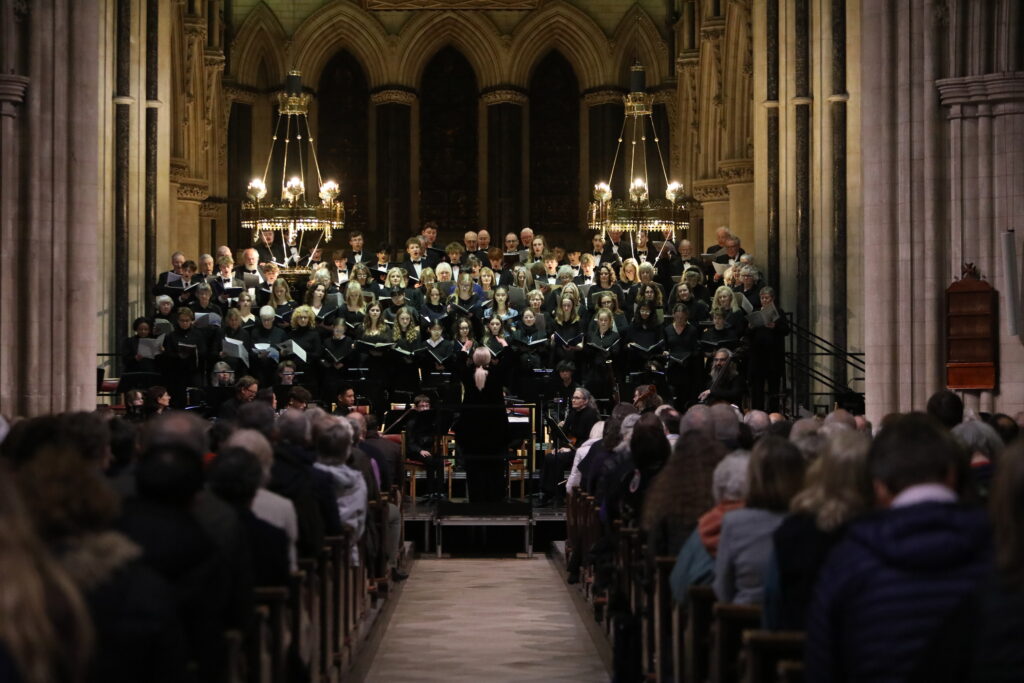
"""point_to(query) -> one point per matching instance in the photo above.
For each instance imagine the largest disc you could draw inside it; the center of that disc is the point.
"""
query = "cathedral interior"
(863, 150)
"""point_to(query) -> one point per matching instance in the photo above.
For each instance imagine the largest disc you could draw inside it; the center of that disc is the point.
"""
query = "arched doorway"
(449, 100)
(342, 146)
(554, 146)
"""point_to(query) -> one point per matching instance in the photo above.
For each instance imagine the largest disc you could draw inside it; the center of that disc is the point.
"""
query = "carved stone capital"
(193, 190)
(393, 96)
(995, 94)
(179, 169)
(666, 96)
(736, 170)
(207, 209)
(234, 93)
(504, 96)
(713, 190)
(12, 93)
(713, 29)
(688, 59)
(596, 98)
(213, 59)
(195, 26)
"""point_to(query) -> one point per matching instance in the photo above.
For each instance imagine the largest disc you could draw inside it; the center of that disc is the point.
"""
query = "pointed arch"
(259, 39)
(637, 36)
(471, 33)
(563, 27)
(342, 26)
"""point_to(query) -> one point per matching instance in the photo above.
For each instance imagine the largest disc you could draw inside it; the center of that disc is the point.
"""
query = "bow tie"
(416, 263)
(251, 272)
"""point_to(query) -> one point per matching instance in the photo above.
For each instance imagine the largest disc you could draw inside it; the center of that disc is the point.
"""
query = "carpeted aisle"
(485, 620)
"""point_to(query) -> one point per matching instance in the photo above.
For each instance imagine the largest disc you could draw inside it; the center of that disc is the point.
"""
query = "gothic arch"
(563, 27)
(638, 36)
(259, 39)
(471, 33)
(342, 26)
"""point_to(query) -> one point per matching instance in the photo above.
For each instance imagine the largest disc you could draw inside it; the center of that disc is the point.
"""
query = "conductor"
(482, 428)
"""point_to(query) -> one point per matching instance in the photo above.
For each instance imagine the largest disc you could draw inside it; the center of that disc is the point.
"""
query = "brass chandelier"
(293, 215)
(637, 211)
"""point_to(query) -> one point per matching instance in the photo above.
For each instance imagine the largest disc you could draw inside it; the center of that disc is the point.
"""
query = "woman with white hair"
(481, 428)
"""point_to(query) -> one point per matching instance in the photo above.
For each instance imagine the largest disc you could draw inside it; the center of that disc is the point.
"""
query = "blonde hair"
(837, 486)
(734, 306)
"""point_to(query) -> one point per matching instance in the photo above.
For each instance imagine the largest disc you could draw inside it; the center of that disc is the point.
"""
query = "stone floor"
(485, 620)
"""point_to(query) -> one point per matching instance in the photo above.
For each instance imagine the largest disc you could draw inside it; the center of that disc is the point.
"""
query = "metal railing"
(813, 362)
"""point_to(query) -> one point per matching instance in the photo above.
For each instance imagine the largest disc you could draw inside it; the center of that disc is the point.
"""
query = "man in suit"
(414, 262)
(636, 248)
(429, 250)
(265, 248)
(355, 255)
(224, 279)
(177, 261)
(249, 270)
(722, 234)
(483, 244)
(686, 256)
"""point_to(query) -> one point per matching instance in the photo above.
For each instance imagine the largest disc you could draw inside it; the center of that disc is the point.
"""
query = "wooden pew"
(234, 642)
(311, 599)
(257, 647)
(697, 644)
(662, 616)
(730, 622)
(764, 651)
(275, 599)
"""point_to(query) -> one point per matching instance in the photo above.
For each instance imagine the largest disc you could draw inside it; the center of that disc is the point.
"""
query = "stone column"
(152, 141)
(48, 143)
(772, 140)
(837, 104)
(504, 160)
(392, 108)
(803, 182)
(123, 101)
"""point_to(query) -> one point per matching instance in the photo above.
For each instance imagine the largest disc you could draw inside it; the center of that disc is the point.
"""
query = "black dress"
(600, 351)
(481, 434)
(683, 365)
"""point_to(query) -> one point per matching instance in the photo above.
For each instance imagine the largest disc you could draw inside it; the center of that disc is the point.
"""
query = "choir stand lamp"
(638, 212)
(292, 216)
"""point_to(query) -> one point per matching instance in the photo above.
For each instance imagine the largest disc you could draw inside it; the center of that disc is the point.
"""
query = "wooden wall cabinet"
(971, 335)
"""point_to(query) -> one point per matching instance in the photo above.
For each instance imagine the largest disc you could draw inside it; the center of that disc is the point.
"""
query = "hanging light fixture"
(637, 211)
(292, 214)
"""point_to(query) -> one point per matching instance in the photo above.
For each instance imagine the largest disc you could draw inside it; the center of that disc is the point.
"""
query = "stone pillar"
(504, 161)
(803, 181)
(48, 142)
(391, 147)
(123, 101)
(772, 141)
(837, 104)
(152, 142)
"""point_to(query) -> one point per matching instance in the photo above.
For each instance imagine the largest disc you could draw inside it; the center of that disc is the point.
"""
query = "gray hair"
(626, 430)
(725, 423)
(565, 272)
(979, 437)
(255, 443)
(267, 313)
(163, 298)
(729, 480)
(334, 445)
(758, 421)
(293, 425)
(697, 419)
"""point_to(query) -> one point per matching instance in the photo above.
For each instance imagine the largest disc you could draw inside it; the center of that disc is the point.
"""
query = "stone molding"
(193, 190)
(12, 93)
(392, 5)
(736, 170)
(394, 96)
(596, 98)
(973, 96)
(713, 190)
(208, 208)
(504, 96)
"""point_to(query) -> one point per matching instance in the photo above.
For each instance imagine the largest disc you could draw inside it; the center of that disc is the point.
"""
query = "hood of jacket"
(925, 537)
(92, 559)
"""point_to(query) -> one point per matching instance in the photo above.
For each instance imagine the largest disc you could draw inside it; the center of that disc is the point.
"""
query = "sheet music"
(235, 349)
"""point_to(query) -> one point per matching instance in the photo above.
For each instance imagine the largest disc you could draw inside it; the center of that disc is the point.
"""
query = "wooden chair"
(764, 651)
(662, 618)
(234, 643)
(257, 647)
(730, 622)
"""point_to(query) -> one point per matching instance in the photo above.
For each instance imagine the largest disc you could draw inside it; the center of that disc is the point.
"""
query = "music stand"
(558, 433)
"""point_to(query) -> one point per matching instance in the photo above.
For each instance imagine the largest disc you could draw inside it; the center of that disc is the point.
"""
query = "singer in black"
(481, 432)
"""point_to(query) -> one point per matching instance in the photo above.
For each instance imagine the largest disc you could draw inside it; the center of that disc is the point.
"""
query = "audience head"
(234, 476)
(729, 480)
(838, 487)
(979, 439)
(293, 427)
(683, 488)
(258, 415)
(1006, 426)
(842, 418)
(775, 475)
(758, 421)
(178, 428)
(725, 423)
(171, 474)
(358, 423)
(257, 444)
(648, 445)
(334, 444)
(946, 407)
(909, 450)
(697, 419)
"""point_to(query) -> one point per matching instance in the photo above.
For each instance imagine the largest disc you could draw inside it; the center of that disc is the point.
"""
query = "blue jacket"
(887, 586)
